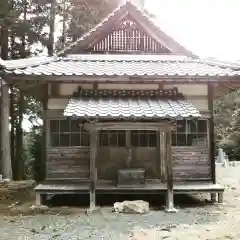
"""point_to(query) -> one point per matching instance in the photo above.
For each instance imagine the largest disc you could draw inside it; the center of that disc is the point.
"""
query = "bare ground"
(195, 221)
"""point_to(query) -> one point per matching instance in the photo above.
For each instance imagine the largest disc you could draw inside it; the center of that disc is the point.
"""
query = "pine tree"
(79, 16)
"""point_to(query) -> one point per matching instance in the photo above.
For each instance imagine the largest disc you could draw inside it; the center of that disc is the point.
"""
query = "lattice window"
(128, 36)
(143, 139)
(65, 133)
(112, 138)
(190, 133)
(118, 139)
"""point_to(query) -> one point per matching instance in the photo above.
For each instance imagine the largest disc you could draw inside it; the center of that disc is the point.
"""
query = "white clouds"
(207, 27)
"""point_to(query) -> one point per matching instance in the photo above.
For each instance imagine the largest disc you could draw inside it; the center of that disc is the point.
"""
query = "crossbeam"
(156, 126)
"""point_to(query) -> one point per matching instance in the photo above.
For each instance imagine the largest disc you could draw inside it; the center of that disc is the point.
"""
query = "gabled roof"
(166, 66)
(141, 17)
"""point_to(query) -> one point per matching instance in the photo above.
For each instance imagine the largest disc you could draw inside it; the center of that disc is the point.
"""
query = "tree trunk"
(4, 43)
(19, 130)
(19, 139)
(52, 28)
(64, 24)
(5, 133)
(12, 136)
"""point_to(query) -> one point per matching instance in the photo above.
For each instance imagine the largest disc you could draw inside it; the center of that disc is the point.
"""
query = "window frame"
(147, 135)
(188, 132)
(68, 133)
(117, 134)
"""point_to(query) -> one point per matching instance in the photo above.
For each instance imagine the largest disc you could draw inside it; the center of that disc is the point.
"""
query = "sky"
(209, 28)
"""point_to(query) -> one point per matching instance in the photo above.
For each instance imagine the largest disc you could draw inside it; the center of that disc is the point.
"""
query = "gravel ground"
(190, 223)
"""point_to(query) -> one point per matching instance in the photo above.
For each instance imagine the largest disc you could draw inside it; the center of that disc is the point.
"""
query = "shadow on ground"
(108, 200)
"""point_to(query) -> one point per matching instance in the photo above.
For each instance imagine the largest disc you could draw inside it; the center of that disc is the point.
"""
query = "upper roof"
(181, 63)
(120, 65)
(137, 14)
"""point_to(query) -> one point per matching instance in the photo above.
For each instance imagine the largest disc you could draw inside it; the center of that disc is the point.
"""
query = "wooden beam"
(93, 169)
(211, 137)
(169, 173)
(5, 132)
(14, 79)
(155, 126)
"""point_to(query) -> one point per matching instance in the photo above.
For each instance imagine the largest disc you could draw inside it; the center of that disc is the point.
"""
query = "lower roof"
(125, 108)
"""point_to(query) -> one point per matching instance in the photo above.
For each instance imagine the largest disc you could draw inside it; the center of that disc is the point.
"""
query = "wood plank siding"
(68, 163)
(189, 163)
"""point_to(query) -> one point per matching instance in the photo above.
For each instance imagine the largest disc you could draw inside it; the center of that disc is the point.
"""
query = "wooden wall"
(189, 163)
(68, 163)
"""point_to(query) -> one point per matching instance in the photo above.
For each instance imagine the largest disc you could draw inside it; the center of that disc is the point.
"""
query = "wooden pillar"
(169, 173)
(5, 132)
(128, 161)
(213, 197)
(42, 175)
(162, 149)
(211, 138)
(93, 169)
(158, 156)
(220, 197)
(40, 199)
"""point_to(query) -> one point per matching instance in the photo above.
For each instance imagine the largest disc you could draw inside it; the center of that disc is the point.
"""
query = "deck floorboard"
(107, 187)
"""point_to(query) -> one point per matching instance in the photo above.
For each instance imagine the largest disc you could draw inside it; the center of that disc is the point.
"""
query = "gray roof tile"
(130, 108)
(119, 65)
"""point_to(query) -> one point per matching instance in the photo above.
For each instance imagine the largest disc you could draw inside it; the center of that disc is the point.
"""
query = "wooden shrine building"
(126, 109)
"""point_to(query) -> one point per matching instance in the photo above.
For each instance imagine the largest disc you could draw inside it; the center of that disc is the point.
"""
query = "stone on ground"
(39, 208)
(138, 206)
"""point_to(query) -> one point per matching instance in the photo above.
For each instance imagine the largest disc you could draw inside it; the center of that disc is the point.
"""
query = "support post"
(169, 198)
(158, 156)
(93, 169)
(220, 197)
(42, 175)
(213, 197)
(5, 132)
(211, 138)
(162, 145)
(40, 199)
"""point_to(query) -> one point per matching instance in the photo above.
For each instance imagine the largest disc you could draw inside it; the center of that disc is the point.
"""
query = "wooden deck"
(108, 187)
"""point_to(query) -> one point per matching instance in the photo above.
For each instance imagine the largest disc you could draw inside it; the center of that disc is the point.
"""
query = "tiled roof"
(119, 65)
(109, 108)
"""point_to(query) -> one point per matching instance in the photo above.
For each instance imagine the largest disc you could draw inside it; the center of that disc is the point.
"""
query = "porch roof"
(119, 65)
(125, 108)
